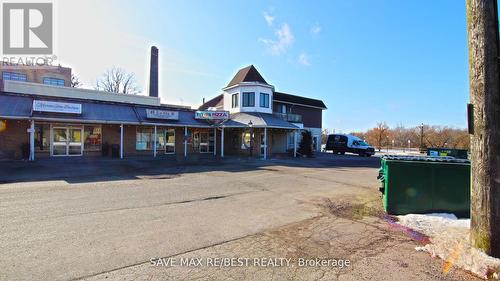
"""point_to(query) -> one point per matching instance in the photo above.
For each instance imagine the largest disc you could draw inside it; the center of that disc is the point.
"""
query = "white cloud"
(269, 19)
(316, 29)
(304, 59)
(284, 39)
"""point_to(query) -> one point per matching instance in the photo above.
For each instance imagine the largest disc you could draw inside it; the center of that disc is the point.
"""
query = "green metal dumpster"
(416, 184)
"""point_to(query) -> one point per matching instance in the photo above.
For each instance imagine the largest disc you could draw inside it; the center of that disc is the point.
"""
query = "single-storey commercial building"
(41, 121)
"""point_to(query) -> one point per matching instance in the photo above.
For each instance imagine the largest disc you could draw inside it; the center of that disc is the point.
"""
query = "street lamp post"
(421, 137)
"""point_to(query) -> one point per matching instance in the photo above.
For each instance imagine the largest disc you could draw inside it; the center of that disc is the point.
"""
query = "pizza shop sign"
(212, 115)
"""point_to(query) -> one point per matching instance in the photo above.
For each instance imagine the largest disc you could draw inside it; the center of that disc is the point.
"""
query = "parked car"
(340, 144)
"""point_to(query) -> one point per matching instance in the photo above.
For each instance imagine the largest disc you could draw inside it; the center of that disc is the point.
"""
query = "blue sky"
(403, 62)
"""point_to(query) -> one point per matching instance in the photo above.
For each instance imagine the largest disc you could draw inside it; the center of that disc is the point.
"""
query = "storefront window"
(42, 137)
(291, 140)
(92, 136)
(170, 141)
(160, 139)
(165, 139)
(144, 139)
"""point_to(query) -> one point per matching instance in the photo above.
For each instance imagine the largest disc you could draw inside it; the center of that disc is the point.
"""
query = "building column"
(154, 148)
(121, 141)
(32, 140)
(265, 143)
(295, 143)
(215, 141)
(222, 143)
(185, 140)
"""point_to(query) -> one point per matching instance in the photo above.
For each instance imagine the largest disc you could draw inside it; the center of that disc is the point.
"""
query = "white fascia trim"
(83, 121)
(305, 105)
(249, 84)
(15, 117)
(66, 120)
(175, 125)
(261, 127)
(59, 120)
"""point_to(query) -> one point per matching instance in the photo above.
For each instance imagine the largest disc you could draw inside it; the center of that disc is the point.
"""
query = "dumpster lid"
(440, 159)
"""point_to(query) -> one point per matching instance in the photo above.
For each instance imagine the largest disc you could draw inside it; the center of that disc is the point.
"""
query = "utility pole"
(482, 30)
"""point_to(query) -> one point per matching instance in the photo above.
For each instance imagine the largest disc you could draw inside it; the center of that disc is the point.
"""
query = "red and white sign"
(212, 115)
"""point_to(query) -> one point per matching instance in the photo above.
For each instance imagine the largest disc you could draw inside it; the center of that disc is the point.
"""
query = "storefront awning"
(259, 120)
(21, 107)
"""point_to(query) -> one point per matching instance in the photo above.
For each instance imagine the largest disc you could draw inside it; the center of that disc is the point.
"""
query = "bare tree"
(324, 136)
(434, 136)
(75, 82)
(378, 135)
(360, 135)
(117, 80)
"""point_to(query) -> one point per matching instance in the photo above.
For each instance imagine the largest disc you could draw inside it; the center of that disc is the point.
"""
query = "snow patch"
(449, 238)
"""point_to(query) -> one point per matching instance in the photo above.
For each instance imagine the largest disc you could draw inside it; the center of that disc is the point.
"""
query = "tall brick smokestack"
(153, 73)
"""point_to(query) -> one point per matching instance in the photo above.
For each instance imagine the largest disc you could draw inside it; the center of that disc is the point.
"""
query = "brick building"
(42, 120)
(49, 75)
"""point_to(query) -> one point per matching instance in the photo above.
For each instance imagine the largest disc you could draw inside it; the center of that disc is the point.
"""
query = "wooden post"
(482, 29)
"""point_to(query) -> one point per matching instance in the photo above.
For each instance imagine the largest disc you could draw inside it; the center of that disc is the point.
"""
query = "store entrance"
(203, 142)
(67, 141)
(262, 145)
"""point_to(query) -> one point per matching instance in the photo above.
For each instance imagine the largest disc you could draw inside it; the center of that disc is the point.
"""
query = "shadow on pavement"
(85, 170)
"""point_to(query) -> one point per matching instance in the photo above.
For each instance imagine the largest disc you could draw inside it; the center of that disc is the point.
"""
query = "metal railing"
(290, 117)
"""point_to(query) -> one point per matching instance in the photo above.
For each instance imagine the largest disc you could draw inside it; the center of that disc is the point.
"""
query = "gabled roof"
(247, 74)
(287, 98)
(212, 103)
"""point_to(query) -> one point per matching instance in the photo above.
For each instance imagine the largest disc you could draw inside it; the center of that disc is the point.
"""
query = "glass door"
(67, 141)
(59, 142)
(204, 142)
(262, 145)
(75, 141)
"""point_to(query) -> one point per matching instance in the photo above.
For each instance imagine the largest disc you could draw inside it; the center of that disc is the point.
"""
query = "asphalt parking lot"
(108, 220)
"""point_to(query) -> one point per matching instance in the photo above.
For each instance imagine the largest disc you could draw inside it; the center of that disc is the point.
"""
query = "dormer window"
(235, 100)
(248, 99)
(264, 100)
